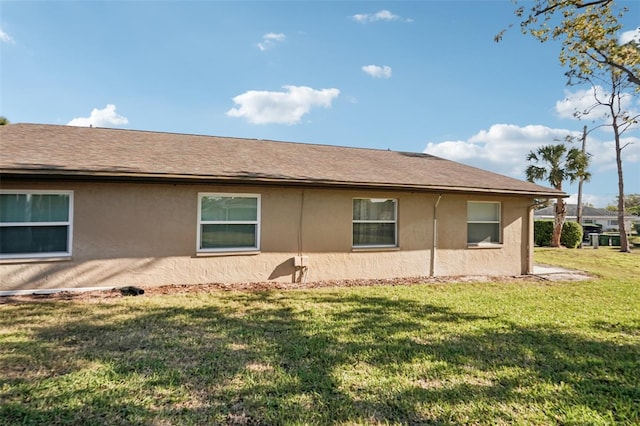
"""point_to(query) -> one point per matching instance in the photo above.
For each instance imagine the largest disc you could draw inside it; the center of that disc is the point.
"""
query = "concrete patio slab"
(556, 273)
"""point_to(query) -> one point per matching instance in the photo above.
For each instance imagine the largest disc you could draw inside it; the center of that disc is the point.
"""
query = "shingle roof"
(83, 152)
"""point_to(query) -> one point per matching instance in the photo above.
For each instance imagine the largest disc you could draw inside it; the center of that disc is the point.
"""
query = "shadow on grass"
(264, 358)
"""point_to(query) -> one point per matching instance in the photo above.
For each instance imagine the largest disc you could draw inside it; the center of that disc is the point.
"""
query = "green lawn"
(521, 352)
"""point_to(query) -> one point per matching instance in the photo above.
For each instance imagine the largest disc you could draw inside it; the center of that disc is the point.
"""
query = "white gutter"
(530, 237)
(257, 180)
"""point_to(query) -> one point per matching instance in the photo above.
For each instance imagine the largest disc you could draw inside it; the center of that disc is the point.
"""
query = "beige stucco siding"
(146, 234)
(455, 257)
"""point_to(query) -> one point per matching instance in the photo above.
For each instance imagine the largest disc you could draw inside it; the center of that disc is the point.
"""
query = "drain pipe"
(530, 237)
(432, 271)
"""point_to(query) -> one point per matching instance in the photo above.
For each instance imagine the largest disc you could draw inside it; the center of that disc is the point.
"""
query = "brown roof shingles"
(39, 149)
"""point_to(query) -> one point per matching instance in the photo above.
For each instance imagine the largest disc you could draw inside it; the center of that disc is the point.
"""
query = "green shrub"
(542, 232)
(571, 234)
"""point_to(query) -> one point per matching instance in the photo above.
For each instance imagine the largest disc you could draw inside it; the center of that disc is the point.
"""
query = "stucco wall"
(145, 234)
(455, 257)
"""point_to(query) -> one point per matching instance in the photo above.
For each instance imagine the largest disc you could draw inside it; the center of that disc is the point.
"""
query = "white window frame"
(394, 221)
(498, 222)
(201, 222)
(68, 223)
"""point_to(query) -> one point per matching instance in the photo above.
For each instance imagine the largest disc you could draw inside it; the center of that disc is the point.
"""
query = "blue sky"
(407, 76)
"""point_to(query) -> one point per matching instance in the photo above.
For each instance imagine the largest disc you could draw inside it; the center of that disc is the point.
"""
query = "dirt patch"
(255, 287)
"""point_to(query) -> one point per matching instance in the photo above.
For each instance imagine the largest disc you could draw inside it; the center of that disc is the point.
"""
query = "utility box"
(301, 261)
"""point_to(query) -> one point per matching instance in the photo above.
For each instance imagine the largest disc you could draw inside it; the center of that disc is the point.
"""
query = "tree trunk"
(579, 206)
(558, 222)
(624, 241)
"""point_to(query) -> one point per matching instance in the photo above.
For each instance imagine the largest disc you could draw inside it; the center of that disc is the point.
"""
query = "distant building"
(605, 219)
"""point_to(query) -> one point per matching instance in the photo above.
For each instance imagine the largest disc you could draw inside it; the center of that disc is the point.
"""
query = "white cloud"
(383, 15)
(604, 152)
(270, 40)
(594, 200)
(105, 117)
(584, 100)
(504, 147)
(628, 36)
(287, 107)
(580, 101)
(6, 38)
(601, 144)
(377, 71)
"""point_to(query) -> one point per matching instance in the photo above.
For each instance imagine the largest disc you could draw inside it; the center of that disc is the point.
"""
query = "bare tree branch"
(577, 5)
(606, 60)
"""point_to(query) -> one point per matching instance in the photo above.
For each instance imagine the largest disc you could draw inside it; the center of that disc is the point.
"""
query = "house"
(592, 217)
(93, 207)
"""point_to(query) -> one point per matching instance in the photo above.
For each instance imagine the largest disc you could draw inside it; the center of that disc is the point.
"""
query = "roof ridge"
(200, 135)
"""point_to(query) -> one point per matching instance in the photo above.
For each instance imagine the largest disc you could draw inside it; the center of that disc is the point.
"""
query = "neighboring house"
(605, 219)
(92, 207)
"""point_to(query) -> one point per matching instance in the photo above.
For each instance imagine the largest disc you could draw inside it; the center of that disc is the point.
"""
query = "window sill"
(374, 248)
(227, 253)
(485, 246)
(31, 259)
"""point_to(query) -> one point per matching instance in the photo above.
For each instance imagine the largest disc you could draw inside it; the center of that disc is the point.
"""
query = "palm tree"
(559, 165)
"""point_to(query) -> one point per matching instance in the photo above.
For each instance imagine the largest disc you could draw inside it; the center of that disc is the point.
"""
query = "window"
(483, 223)
(35, 223)
(228, 222)
(374, 222)
(613, 222)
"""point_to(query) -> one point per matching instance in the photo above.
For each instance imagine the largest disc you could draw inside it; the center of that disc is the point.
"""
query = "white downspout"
(432, 271)
(530, 236)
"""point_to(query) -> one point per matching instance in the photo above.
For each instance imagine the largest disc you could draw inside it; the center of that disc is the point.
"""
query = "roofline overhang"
(76, 175)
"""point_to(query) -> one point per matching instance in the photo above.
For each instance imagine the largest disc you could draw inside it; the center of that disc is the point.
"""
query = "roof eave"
(261, 180)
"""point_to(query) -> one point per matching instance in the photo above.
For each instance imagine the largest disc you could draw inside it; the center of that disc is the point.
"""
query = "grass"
(521, 352)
